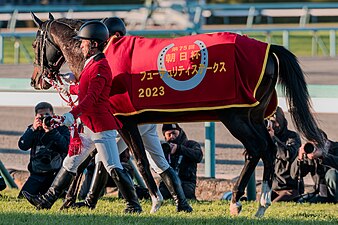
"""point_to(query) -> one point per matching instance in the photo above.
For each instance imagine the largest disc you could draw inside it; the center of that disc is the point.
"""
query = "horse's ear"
(51, 17)
(37, 21)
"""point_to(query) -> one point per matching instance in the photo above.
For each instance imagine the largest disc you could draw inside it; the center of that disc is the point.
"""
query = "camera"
(166, 148)
(309, 147)
(268, 123)
(46, 119)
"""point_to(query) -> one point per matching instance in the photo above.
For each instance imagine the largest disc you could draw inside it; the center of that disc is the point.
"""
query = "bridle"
(50, 60)
(50, 56)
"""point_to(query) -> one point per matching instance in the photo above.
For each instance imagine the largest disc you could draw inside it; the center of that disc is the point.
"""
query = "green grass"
(109, 211)
(300, 44)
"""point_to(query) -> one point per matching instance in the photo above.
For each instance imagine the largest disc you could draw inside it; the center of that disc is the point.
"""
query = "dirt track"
(229, 157)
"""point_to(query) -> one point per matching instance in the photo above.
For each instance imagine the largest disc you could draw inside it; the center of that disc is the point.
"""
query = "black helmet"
(115, 24)
(93, 30)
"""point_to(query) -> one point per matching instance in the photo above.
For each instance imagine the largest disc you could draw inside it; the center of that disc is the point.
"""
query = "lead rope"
(75, 143)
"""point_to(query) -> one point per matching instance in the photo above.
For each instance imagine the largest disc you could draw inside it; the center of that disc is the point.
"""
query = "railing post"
(2, 50)
(286, 39)
(251, 188)
(209, 149)
(251, 16)
(314, 43)
(16, 52)
(332, 43)
(7, 177)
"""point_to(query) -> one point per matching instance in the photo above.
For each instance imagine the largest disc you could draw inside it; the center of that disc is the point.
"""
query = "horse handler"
(94, 111)
(153, 149)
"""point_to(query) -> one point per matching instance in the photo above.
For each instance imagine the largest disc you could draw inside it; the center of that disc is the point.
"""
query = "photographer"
(322, 164)
(183, 156)
(284, 187)
(48, 148)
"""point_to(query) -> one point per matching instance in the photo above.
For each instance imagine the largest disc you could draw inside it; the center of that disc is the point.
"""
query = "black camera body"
(46, 119)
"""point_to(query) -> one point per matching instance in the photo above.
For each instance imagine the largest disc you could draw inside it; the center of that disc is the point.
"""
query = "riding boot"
(70, 198)
(59, 185)
(127, 189)
(99, 181)
(173, 183)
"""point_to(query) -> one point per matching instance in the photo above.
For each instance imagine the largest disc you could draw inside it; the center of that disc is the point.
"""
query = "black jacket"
(288, 143)
(317, 167)
(186, 157)
(33, 139)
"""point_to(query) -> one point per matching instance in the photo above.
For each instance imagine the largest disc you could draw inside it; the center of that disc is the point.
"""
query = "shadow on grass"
(180, 219)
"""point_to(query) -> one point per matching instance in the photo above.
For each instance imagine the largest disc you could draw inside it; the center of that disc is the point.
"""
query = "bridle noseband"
(51, 58)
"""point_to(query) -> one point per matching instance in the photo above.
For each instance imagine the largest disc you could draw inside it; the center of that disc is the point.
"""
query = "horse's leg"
(268, 154)
(132, 137)
(238, 123)
(268, 157)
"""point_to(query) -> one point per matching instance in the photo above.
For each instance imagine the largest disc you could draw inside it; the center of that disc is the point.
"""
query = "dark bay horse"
(54, 45)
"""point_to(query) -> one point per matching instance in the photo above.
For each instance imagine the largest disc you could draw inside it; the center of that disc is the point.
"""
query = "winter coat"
(287, 143)
(58, 139)
(186, 157)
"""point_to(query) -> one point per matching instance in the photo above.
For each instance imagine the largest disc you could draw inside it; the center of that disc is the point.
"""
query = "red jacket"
(93, 92)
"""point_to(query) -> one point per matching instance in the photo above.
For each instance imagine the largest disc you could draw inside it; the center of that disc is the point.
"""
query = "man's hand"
(301, 152)
(46, 128)
(271, 131)
(68, 119)
(37, 122)
(173, 148)
(317, 153)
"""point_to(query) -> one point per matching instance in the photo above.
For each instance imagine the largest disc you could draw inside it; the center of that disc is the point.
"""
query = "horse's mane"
(74, 24)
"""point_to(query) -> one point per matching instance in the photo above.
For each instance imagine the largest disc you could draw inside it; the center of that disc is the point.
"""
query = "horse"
(54, 44)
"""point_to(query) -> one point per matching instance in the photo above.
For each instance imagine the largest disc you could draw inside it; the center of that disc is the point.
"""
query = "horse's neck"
(70, 49)
(75, 66)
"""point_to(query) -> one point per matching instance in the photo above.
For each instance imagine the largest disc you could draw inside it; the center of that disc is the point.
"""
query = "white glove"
(68, 119)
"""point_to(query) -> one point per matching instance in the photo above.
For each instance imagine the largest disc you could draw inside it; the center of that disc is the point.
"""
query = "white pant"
(152, 146)
(107, 152)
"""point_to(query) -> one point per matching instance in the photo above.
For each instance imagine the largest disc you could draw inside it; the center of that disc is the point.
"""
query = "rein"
(48, 57)
(57, 86)
(53, 67)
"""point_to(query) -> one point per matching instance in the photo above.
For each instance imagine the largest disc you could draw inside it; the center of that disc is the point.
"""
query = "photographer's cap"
(173, 126)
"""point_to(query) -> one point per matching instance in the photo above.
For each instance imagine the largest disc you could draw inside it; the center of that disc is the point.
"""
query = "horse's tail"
(292, 79)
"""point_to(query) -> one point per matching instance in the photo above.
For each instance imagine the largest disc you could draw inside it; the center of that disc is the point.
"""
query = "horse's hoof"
(260, 212)
(156, 203)
(235, 208)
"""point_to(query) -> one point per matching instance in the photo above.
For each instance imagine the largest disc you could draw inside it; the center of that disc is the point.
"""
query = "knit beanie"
(173, 126)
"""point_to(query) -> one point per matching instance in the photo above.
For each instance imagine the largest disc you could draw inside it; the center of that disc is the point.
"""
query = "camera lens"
(309, 148)
(47, 120)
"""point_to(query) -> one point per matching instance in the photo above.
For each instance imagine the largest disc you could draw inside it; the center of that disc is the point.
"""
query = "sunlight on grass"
(110, 211)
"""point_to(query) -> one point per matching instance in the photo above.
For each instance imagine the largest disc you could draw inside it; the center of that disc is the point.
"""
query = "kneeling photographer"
(322, 164)
(48, 145)
(284, 187)
(183, 156)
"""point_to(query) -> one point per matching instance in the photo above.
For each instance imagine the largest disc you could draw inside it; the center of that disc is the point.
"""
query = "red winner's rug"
(191, 73)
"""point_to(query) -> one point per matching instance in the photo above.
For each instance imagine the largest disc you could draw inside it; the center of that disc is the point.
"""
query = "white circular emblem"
(185, 84)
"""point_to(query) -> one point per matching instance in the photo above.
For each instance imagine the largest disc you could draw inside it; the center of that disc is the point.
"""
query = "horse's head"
(48, 56)
(53, 40)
